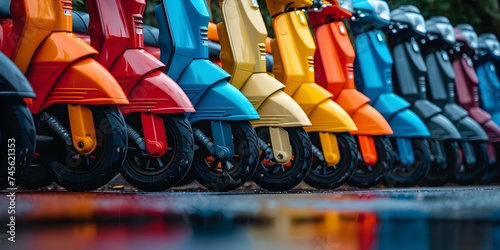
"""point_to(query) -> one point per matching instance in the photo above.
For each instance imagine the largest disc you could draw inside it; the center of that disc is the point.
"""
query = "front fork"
(405, 151)
(154, 142)
(281, 149)
(222, 146)
(83, 136)
(368, 149)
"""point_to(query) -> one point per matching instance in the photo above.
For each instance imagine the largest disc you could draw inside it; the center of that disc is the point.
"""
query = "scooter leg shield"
(470, 130)
(406, 123)
(442, 129)
(85, 82)
(223, 102)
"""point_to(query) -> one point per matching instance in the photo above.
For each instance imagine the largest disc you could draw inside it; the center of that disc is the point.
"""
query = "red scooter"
(81, 134)
(161, 140)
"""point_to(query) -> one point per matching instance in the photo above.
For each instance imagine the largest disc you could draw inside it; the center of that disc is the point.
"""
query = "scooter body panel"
(293, 57)
(373, 76)
(466, 82)
(489, 89)
(242, 57)
(12, 81)
(179, 50)
(440, 76)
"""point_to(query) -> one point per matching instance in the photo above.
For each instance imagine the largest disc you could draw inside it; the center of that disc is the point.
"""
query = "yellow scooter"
(242, 36)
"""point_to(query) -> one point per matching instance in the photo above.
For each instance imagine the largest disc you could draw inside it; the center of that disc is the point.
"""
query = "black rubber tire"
(102, 164)
(409, 176)
(290, 176)
(370, 176)
(321, 175)
(246, 154)
(145, 172)
(189, 178)
(492, 174)
(18, 136)
(442, 173)
(472, 174)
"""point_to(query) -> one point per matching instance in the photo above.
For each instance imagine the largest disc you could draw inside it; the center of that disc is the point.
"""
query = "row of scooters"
(89, 95)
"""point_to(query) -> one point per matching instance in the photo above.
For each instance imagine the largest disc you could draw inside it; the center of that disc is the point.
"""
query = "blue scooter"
(441, 91)
(486, 63)
(228, 152)
(373, 77)
(17, 132)
(409, 76)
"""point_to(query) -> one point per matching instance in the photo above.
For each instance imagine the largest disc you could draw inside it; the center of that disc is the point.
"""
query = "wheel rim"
(146, 165)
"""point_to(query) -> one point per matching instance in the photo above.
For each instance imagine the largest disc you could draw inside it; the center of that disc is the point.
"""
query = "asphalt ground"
(119, 217)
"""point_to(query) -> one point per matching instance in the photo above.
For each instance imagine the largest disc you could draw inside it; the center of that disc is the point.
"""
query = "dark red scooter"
(160, 137)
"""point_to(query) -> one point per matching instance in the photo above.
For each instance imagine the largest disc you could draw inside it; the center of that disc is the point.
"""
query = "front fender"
(223, 102)
(198, 76)
(84, 82)
(370, 122)
(259, 86)
(328, 116)
(406, 123)
(389, 104)
(12, 82)
(441, 128)
(157, 93)
(280, 110)
(351, 100)
(471, 130)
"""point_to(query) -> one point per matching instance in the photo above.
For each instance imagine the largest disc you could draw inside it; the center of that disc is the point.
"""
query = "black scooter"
(441, 91)
(409, 77)
(17, 131)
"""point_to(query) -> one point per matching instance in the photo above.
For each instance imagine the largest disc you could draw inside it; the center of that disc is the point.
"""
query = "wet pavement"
(381, 218)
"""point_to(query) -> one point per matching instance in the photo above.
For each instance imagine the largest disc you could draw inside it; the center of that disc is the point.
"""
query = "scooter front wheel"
(219, 175)
(443, 170)
(493, 172)
(17, 135)
(77, 172)
(281, 177)
(470, 174)
(160, 173)
(323, 176)
(409, 176)
(368, 176)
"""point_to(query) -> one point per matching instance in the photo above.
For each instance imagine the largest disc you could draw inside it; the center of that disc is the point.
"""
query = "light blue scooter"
(373, 77)
(227, 151)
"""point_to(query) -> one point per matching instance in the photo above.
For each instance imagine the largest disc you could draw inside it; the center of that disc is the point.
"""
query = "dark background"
(484, 15)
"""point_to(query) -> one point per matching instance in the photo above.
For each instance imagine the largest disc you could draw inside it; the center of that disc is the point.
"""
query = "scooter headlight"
(381, 8)
(346, 5)
(446, 31)
(471, 38)
(417, 21)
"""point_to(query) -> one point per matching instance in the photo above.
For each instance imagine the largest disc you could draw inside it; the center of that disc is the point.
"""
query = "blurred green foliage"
(484, 15)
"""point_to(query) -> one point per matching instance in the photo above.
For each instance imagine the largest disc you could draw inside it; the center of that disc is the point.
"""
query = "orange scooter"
(334, 70)
(81, 134)
(293, 50)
